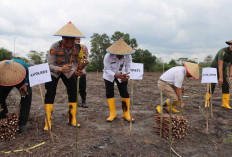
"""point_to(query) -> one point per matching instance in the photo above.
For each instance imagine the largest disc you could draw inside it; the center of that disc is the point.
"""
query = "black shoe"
(22, 128)
(84, 105)
(80, 105)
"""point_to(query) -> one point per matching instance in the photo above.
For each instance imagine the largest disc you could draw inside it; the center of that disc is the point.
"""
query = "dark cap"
(229, 42)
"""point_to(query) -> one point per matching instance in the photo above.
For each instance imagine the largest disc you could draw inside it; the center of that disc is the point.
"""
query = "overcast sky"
(167, 28)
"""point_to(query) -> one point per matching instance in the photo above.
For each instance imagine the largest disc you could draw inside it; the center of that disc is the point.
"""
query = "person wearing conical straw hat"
(14, 73)
(222, 60)
(63, 58)
(116, 68)
(170, 84)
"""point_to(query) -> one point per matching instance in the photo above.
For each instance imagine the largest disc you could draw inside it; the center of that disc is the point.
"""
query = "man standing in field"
(222, 60)
(116, 68)
(63, 59)
(170, 83)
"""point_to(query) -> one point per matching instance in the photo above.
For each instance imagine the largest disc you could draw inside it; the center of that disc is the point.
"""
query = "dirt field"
(96, 137)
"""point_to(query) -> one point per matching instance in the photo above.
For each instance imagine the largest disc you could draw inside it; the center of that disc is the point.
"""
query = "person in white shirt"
(116, 69)
(170, 84)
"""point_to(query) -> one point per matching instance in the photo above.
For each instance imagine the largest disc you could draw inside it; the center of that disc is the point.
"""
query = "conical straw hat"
(69, 30)
(11, 73)
(192, 69)
(120, 47)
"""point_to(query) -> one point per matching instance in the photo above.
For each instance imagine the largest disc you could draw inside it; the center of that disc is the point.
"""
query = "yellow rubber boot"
(158, 108)
(72, 109)
(207, 98)
(49, 109)
(112, 109)
(126, 109)
(225, 101)
(173, 106)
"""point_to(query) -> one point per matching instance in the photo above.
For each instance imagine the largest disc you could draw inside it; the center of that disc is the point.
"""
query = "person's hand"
(65, 68)
(118, 75)
(220, 81)
(23, 90)
(230, 79)
(125, 77)
(78, 73)
(182, 104)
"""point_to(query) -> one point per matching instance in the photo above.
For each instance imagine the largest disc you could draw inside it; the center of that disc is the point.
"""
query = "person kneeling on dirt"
(170, 84)
(222, 60)
(63, 59)
(116, 67)
(14, 73)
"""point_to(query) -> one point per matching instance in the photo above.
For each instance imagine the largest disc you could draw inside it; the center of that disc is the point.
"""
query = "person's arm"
(179, 95)
(107, 65)
(220, 70)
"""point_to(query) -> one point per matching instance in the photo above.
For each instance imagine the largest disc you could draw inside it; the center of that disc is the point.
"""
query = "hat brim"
(119, 53)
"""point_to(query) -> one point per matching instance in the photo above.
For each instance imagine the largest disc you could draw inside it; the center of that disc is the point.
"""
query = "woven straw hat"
(69, 30)
(229, 42)
(120, 47)
(192, 69)
(11, 73)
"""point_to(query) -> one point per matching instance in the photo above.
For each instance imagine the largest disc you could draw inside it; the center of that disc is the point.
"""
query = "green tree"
(5, 54)
(35, 57)
(145, 57)
(208, 59)
(172, 62)
(99, 44)
(126, 37)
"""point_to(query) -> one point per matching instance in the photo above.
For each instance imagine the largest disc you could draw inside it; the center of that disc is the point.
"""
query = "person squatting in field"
(116, 68)
(170, 84)
(14, 73)
(222, 61)
(63, 59)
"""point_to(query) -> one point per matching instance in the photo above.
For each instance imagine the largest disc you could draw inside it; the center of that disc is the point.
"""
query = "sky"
(169, 29)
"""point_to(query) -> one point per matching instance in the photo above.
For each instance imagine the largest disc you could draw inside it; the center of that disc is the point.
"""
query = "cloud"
(181, 28)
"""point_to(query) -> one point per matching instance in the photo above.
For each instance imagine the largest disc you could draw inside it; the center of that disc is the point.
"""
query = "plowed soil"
(96, 137)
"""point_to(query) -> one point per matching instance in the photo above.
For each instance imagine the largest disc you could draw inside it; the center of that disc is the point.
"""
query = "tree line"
(99, 44)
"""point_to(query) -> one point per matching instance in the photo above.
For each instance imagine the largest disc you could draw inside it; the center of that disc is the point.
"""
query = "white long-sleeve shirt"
(174, 76)
(113, 65)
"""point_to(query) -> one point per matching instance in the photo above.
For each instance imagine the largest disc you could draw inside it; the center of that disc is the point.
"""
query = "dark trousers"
(122, 87)
(70, 84)
(225, 84)
(82, 87)
(24, 102)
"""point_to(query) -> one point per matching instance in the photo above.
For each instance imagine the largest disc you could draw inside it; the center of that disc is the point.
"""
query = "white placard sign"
(136, 71)
(209, 75)
(39, 74)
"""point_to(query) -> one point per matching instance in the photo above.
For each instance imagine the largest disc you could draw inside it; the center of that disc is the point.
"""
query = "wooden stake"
(207, 111)
(132, 103)
(49, 129)
(211, 100)
(170, 128)
(161, 112)
(77, 102)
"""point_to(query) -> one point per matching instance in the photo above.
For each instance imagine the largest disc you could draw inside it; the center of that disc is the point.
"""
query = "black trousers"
(82, 87)
(24, 102)
(122, 87)
(70, 84)
(225, 84)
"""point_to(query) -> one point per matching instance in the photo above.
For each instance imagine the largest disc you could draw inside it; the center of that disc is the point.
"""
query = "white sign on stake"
(136, 71)
(39, 74)
(209, 75)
